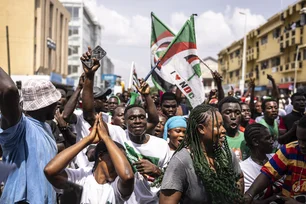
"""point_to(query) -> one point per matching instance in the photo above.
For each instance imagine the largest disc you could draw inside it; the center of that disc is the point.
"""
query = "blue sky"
(126, 25)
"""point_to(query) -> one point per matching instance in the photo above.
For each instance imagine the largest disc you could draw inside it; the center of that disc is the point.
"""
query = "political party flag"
(180, 65)
(161, 37)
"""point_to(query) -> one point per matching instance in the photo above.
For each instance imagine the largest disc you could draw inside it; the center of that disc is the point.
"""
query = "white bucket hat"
(38, 94)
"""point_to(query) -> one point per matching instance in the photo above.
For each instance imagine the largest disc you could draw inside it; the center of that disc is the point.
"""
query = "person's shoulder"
(182, 156)
(157, 140)
(245, 163)
(290, 145)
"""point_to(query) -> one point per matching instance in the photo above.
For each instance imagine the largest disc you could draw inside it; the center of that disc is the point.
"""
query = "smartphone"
(97, 53)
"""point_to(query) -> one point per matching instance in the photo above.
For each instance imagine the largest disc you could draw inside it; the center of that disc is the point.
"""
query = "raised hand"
(231, 92)
(96, 64)
(93, 136)
(251, 83)
(270, 77)
(102, 128)
(60, 120)
(217, 77)
(81, 81)
(144, 88)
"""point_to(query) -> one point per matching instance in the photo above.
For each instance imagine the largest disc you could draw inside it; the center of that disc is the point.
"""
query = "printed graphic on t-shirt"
(299, 187)
(133, 157)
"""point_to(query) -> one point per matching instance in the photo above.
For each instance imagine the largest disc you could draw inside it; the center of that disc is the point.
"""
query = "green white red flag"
(161, 38)
(179, 63)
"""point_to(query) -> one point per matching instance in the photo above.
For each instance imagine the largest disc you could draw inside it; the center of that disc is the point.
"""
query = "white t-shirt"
(156, 150)
(250, 171)
(83, 130)
(93, 192)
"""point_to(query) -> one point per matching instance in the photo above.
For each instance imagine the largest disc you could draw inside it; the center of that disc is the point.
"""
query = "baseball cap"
(99, 93)
(38, 94)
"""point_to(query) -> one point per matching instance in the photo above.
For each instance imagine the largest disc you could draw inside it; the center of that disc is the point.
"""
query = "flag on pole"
(180, 64)
(135, 77)
(161, 37)
(131, 75)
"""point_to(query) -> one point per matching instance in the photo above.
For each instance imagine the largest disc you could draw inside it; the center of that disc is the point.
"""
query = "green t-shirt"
(273, 131)
(238, 145)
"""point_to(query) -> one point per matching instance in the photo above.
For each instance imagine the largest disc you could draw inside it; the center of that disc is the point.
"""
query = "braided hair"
(220, 183)
(253, 131)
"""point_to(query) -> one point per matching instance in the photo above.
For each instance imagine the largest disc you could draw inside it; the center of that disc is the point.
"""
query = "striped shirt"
(290, 162)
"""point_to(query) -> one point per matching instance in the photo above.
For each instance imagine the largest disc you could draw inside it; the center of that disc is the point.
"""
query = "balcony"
(291, 38)
(290, 67)
(251, 54)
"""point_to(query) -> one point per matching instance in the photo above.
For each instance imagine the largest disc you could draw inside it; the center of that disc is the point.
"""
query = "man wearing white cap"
(27, 141)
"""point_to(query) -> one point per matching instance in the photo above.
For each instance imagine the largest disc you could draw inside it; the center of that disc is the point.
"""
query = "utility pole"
(8, 51)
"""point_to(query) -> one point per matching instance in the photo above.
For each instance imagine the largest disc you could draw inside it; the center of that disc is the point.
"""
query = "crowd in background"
(91, 146)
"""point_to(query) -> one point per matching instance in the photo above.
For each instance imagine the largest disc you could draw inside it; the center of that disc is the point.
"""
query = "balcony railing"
(291, 38)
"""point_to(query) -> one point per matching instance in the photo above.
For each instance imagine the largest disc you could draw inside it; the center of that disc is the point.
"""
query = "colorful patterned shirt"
(290, 162)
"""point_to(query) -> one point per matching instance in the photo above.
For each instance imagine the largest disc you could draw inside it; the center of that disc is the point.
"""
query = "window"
(264, 64)
(237, 53)
(275, 61)
(75, 12)
(276, 33)
(304, 54)
(231, 55)
(72, 69)
(237, 73)
(231, 74)
(73, 30)
(72, 50)
(264, 40)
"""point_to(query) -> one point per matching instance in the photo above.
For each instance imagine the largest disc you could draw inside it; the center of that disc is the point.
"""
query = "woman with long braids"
(204, 169)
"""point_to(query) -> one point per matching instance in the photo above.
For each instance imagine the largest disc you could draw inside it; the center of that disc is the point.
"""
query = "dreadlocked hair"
(220, 183)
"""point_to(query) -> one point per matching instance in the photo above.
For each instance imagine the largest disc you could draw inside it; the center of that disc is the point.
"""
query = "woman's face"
(159, 129)
(213, 133)
(176, 135)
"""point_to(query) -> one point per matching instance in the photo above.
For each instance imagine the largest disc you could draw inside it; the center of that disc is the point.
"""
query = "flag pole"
(131, 75)
(151, 71)
(206, 65)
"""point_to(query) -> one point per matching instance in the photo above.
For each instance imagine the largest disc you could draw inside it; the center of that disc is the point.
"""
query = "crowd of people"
(94, 147)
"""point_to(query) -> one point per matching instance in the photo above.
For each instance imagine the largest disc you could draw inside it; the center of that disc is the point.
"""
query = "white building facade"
(84, 31)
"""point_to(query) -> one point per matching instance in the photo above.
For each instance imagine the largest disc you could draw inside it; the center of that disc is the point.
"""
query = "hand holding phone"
(98, 53)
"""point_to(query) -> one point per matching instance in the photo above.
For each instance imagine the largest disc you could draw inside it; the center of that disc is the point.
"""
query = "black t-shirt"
(291, 118)
(59, 138)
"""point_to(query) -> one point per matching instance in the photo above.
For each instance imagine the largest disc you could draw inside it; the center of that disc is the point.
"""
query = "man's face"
(136, 121)
(61, 104)
(301, 136)
(258, 107)
(298, 103)
(169, 108)
(112, 104)
(50, 111)
(265, 141)
(99, 105)
(118, 118)
(125, 97)
(245, 113)
(271, 110)
(231, 113)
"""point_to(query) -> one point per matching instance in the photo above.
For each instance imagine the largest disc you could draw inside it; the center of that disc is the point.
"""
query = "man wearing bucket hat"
(27, 141)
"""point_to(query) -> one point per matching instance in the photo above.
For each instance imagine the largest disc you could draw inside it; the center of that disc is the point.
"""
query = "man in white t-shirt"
(111, 180)
(148, 154)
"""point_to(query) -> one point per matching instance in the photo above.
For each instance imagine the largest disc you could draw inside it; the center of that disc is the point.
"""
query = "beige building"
(271, 49)
(38, 36)
(208, 80)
